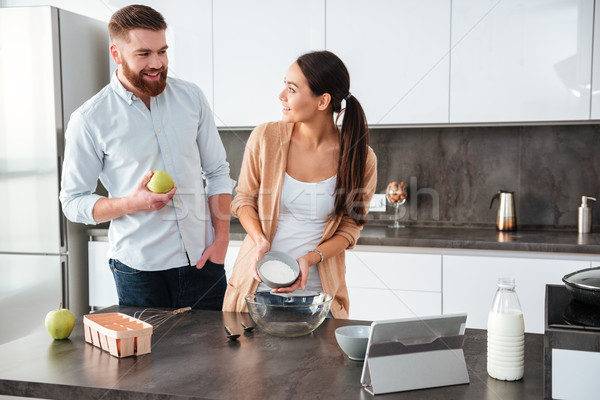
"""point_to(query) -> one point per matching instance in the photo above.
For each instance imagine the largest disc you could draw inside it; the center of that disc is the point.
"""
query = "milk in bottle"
(506, 334)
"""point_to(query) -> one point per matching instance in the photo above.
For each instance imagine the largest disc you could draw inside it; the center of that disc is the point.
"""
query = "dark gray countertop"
(191, 358)
(552, 241)
(468, 237)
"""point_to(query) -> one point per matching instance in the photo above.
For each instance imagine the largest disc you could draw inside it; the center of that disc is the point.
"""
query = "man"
(166, 250)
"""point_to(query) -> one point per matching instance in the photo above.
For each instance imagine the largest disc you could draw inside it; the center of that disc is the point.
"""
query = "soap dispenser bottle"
(585, 215)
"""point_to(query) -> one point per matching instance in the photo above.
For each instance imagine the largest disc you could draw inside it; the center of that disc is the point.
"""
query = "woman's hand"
(261, 248)
(304, 262)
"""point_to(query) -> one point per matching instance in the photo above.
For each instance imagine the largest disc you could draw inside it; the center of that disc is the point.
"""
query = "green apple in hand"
(60, 323)
(161, 182)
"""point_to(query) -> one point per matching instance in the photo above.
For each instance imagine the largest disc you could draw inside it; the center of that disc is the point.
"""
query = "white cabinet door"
(102, 288)
(397, 53)
(387, 285)
(255, 42)
(596, 67)
(521, 60)
(189, 36)
(232, 253)
(469, 285)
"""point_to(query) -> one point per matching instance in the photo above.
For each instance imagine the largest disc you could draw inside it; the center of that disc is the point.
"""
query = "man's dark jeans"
(173, 288)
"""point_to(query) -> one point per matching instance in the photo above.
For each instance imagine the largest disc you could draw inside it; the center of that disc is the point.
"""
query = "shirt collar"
(119, 89)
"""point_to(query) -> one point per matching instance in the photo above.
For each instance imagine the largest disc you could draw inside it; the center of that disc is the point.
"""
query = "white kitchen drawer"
(470, 285)
(400, 271)
(380, 304)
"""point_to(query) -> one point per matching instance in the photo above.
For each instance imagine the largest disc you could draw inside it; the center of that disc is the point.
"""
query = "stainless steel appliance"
(51, 61)
(507, 218)
(571, 346)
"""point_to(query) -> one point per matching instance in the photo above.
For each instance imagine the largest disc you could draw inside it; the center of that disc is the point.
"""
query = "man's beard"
(152, 88)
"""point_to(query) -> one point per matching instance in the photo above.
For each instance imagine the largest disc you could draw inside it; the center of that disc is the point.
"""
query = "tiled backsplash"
(452, 173)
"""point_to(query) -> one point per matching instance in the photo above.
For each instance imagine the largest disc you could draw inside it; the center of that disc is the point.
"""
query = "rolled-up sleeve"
(81, 168)
(215, 168)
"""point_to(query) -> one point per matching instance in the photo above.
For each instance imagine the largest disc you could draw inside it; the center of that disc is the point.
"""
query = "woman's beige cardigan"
(259, 186)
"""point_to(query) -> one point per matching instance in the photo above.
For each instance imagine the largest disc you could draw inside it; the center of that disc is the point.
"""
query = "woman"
(305, 185)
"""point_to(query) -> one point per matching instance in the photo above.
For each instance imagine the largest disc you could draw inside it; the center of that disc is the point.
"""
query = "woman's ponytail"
(354, 144)
(326, 73)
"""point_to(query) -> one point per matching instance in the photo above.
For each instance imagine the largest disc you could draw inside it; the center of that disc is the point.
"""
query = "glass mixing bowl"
(289, 314)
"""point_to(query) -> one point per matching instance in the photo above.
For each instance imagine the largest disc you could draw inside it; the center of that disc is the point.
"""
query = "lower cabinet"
(469, 284)
(388, 285)
(102, 288)
(232, 253)
(381, 304)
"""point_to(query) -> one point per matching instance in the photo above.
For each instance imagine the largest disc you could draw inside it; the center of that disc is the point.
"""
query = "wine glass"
(396, 195)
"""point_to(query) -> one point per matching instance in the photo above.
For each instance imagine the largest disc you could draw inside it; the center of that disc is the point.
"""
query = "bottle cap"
(506, 283)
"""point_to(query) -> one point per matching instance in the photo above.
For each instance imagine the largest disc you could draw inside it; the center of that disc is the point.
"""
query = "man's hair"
(134, 17)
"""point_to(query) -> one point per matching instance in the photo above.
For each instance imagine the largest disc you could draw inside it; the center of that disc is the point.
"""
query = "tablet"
(410, 331)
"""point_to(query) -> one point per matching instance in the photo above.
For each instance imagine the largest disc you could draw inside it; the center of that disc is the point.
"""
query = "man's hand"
(142, 199)
(215, 253)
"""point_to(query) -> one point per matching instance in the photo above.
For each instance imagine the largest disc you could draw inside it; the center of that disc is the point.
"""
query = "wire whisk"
(156, 317)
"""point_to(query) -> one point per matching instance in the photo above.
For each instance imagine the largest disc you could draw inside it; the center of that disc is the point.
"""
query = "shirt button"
(129, 102)
(177, 205)
(166, 156)
(158, 130)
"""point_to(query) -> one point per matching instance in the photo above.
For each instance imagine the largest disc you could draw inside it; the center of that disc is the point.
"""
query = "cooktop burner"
(564, 312)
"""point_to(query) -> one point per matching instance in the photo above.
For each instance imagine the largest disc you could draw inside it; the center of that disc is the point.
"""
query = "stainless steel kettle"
(507, 218)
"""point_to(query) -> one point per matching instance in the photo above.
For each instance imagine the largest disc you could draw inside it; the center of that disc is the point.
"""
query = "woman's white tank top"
(304, 210)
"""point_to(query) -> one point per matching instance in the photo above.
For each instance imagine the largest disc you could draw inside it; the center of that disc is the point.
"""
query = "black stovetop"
(564, 312)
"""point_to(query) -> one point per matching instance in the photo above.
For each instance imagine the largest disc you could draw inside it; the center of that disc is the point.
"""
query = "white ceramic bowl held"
(353, 340)
(277, 269)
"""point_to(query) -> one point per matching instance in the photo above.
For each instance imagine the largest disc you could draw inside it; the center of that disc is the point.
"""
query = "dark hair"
(326, 73)
(134, 17)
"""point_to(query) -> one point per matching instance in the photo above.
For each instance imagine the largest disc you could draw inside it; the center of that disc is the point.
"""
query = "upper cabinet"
(521, 60)
(411, 62)
(254, 45)
(397, 53)
(596, 68)
(189, 36)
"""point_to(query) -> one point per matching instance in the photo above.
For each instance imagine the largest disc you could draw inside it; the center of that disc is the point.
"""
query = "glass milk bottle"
(506, 334)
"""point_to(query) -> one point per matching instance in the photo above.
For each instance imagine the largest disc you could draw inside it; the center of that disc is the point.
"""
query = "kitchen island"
(192, 359)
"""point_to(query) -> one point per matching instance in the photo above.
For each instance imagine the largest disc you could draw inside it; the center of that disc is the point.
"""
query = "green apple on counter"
(161, 182)
(60, 323)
